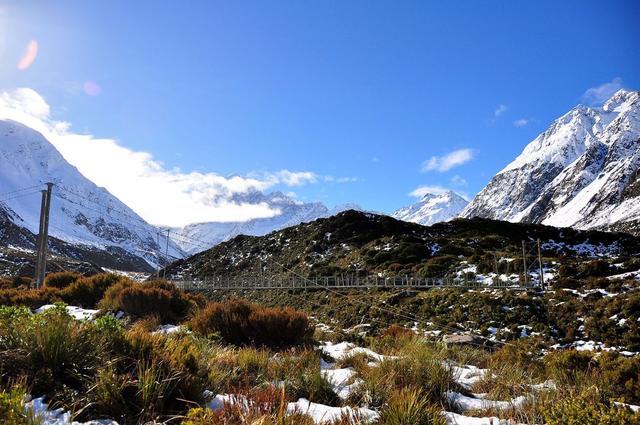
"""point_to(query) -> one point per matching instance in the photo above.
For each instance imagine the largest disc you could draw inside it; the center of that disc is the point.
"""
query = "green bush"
(567, 366)
(12, 411)
(586, 408)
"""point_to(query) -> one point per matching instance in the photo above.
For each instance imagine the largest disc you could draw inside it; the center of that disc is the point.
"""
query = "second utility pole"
(43, 243)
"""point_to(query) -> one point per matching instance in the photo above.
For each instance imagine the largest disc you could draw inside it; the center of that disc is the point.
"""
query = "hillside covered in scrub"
(356, 242)
(121, 352)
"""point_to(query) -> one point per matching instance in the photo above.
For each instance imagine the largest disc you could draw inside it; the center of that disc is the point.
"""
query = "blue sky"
(365, 96)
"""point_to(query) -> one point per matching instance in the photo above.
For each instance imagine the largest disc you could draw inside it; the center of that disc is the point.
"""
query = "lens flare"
(29, 55)
(91, 88)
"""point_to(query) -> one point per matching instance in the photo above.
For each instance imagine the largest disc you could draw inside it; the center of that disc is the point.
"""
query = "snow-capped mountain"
(200, 236)
(432, 208)
(82, 214)
(582, 172)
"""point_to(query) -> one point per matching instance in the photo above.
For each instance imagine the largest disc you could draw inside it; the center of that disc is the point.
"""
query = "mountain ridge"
(82, 214)
(582, 172)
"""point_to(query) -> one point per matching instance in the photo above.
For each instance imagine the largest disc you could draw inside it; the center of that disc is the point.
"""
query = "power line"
(19, 195)
(20, 190)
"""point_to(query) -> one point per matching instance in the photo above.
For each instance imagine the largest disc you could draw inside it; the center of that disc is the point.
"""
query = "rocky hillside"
(582, 172)
(353, 242)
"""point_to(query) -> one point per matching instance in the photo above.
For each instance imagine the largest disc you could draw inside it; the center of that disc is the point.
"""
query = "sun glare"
(29, 55)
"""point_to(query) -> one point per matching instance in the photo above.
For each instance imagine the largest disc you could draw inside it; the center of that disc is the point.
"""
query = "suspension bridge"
(214, 283)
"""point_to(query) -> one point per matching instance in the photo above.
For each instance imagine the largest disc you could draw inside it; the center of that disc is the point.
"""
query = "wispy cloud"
(159, 195)
(500, 110)
(458, 181)
(420, 191)
(599, 94)
(448, 161)
(521, 122)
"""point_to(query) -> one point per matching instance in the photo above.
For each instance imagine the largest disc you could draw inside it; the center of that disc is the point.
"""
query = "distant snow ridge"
(582, 172)
(82, 213)
(433, 208)
(198, 237)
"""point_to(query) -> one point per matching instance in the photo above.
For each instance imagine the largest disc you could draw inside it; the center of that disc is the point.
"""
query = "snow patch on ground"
(465, 403)
(343, 350)
(45, 416)
(75, 312)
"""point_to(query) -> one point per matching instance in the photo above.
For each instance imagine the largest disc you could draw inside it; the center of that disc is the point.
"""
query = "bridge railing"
(335, 282)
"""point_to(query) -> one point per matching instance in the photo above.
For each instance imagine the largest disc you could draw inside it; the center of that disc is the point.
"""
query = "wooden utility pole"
(158, 255)
(43, 234)
(524, 264)
(540, 264)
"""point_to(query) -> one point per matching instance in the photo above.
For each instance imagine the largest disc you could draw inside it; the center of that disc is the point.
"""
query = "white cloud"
(521, 122)
(420, 191)
(160, 196)
(448, 161)
(458, 181)
(599, 94)
(500, 110)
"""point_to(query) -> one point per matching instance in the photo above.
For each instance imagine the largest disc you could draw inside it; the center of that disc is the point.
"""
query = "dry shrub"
(241, 323)
(88, 291)
(61, 279)
(32, 298)
(154, 298)
(139, 301)
(15, 282)
(396, 331)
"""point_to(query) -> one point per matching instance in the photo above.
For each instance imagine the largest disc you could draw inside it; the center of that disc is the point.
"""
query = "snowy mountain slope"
(200, 236)
(581, 172)
(432, 208)
(82, 214)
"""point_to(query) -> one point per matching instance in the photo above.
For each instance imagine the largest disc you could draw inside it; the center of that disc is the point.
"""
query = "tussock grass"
(410, 406)
(420, 366)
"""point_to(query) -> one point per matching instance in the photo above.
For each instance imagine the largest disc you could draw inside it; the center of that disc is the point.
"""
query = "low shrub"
(32, 298)
(587, 408)
(396, 331)
(154, 298)
(88, 291)
(620, 375)
(15, 282)
(61, 279)
(569, 367)
(12, 411)
(241, 323)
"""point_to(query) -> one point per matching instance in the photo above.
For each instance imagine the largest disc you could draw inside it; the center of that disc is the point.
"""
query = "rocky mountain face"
(582, 172)
(356, 242)
(433, 208)
(86, 221)
(201, 236)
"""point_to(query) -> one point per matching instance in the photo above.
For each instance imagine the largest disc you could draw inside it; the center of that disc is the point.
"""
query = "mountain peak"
(619, 99)
(432, 208)
(581, 172)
